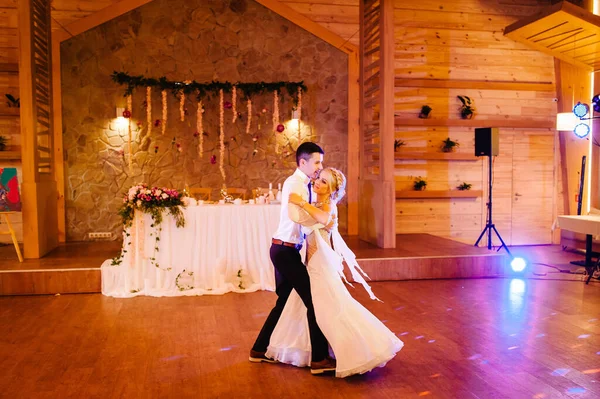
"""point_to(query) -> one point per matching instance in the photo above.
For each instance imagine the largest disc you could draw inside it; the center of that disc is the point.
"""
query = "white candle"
(270, 186)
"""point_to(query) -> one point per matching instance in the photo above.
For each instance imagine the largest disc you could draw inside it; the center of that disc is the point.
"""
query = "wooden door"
(532, 189)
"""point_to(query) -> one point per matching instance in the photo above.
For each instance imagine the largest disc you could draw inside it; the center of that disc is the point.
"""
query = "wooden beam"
(526, 21)
(38, 188)
(309, 25)
(353, 142)
(59, 167)
(98, 18)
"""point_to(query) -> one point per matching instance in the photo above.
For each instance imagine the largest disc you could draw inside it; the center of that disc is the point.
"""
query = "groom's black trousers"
(290, 273)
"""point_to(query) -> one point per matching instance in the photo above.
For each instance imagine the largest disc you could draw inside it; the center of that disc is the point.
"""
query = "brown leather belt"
(286, 244)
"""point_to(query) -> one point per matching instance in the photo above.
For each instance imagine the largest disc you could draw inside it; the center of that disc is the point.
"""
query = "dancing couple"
(315, 321)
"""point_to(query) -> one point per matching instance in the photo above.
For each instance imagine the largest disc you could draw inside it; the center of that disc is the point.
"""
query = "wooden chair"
(11, 232)
(237, 192)
(201, 193)
(263, 191)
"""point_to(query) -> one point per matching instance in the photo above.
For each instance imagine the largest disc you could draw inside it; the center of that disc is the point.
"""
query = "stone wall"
(237, 40)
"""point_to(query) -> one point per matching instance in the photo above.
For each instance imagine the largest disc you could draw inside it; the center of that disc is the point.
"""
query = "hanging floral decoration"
(299, 109)
(200, 128)
(221, 134)
(249, 121)
(164, 112)
(149, 108)
(182, 107)
(276, 117)
(233, 104)
(182, 110)
(275, 110)
(204, 89)
(127, 115)
(207, 90)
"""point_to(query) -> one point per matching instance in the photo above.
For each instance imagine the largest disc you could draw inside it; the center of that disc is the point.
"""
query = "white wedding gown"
(360, 342)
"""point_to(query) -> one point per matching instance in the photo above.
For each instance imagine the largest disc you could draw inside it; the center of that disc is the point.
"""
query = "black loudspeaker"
(487, 141)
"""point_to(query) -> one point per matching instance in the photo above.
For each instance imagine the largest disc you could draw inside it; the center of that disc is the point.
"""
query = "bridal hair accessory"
(338, 185)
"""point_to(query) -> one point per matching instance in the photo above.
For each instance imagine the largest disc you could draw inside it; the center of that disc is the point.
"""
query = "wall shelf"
(412, 194)
(505, 123)
(10, 155)
(9, 113)
(441, 156)
(476, 84)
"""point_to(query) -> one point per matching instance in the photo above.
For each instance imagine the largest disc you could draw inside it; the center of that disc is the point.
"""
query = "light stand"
(489, 226)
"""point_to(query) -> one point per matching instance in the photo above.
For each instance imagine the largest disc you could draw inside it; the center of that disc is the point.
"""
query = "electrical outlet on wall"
(99, 235)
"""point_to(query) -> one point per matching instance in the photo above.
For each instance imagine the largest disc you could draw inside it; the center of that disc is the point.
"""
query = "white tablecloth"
(222, 248)
(584, 224)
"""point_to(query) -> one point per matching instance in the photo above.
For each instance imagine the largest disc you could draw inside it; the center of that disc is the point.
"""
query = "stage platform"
(75, 267)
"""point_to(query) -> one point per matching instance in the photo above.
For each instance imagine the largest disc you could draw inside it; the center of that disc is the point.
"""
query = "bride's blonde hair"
(337, 184)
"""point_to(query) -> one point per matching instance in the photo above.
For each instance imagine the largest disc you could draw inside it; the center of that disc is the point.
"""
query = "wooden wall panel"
(462, 41)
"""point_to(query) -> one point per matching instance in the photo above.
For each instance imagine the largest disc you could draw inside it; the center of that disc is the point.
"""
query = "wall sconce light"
(295, 115)
(121, 120)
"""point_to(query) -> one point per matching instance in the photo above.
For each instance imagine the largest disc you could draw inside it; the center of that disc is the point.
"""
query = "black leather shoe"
(259, 357)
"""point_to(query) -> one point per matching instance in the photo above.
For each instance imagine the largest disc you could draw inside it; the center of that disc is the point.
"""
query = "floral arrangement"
(153, 201)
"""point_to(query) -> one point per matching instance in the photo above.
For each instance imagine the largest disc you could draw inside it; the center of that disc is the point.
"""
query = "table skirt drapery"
(222, 248)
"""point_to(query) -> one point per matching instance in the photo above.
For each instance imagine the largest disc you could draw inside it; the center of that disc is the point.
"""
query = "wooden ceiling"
(64, 12)
(563, 30)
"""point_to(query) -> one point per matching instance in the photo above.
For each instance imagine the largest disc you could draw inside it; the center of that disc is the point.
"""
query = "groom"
(290, 272)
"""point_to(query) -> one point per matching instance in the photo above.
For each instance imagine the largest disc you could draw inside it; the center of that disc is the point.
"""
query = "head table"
(222, 248)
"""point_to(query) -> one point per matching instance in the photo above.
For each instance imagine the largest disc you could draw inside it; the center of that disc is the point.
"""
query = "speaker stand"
(489, 226)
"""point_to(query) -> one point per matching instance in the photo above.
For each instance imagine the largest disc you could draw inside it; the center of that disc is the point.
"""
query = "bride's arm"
(322, 216)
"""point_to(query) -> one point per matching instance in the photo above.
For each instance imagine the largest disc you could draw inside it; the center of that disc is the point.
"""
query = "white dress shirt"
(293, 217)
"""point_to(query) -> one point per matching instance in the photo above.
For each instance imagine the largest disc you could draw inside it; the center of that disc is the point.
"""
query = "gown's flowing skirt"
(358, 339)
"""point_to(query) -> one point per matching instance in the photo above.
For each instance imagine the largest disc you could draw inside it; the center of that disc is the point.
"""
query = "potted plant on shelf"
(425, 112)
(467, 110)
(449, 145)
(419, 184)
(464, 187)
(3, 142)
(397, 144)
(12, 101)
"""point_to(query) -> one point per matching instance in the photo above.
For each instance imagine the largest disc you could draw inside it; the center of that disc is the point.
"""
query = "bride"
(360, 342)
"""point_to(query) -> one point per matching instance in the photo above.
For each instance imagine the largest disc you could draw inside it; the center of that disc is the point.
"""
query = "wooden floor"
(474, 338)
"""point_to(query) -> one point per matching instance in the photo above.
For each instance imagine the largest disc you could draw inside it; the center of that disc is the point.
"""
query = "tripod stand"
(489, 226)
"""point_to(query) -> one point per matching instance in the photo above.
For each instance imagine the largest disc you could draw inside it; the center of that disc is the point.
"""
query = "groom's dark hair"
(305, 151)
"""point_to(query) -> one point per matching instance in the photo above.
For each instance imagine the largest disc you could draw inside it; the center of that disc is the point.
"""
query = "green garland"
(205, 89)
